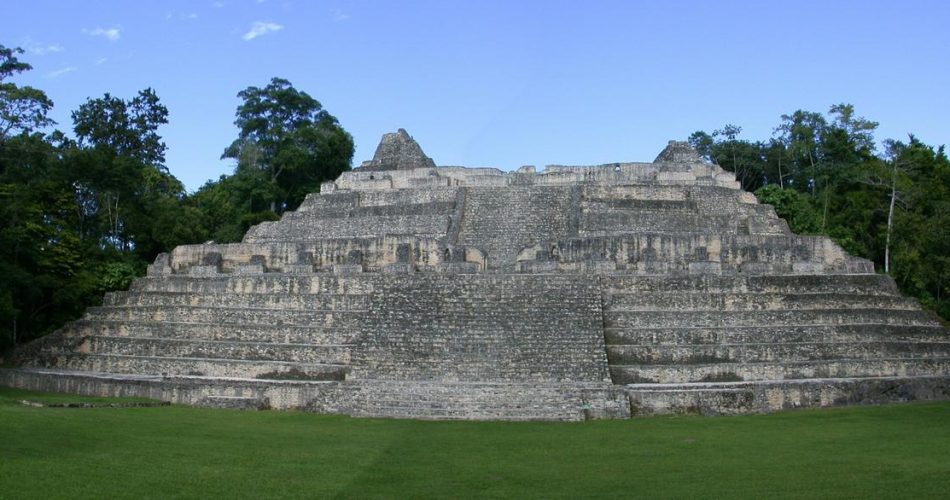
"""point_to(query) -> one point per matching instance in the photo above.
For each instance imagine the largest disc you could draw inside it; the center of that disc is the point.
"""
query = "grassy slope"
(891, 451)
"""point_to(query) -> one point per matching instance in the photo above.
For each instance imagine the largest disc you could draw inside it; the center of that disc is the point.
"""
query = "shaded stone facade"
(403, 289)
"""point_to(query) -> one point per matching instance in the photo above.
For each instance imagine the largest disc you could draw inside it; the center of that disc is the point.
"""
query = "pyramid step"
(274, 283)
(481, 401)
(349, 212)
(185, 389)
(606, 222)
(251, 351)
(772, 395)
(868, 332)
(862, 284)
(312, 229)
(234, 402)
(207, 367)
(699, 301)
(331, 301)
(774, 370)
(788, 317)
(601, 204)
(772, 352)
(245, 315)
(238, 332)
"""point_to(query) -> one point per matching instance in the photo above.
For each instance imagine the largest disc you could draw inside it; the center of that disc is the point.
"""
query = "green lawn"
(870, 452)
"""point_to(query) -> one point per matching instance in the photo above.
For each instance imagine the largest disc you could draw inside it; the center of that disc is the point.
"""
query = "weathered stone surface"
(678, 152)
(414, 291)
(398, 151)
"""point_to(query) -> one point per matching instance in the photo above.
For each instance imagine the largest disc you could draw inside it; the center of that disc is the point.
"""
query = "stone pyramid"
(403, 289)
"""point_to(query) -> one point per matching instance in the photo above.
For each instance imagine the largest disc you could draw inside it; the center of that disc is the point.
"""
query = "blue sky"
(499, 84)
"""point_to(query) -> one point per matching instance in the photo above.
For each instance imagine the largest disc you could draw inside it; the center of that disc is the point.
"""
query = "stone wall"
(502, 223)
(482, 329)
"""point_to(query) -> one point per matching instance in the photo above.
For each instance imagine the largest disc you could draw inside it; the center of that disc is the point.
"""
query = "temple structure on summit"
(403, 289)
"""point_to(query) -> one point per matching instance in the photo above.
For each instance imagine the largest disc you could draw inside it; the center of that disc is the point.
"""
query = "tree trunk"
(890, 221)
(824, 212)
(780, 183)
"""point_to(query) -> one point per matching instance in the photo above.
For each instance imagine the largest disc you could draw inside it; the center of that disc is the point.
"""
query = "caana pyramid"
(403, 289)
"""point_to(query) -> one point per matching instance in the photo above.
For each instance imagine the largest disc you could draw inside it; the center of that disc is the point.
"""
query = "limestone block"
(756, 268)
(458, 267)
(538, 266)
(297, 268)
(157, 270)
(747, 197)
(705, 268)
(808, 268)
(347, 268)
(204, 271)
(399, 268)
(648, 267)
(248, 269)
(857, 265)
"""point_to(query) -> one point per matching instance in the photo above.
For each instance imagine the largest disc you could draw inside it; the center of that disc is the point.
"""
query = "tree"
(921, 238)
(22, 109)
(801, 133)
(287, 135)
(703, 144)
(118, 168)
(894, 179)
(125, 128)
(859, 131)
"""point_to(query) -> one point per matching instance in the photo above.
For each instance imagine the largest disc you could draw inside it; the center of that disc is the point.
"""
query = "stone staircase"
(672, 340)
(179, 328)
(366, 215)
(476, 401)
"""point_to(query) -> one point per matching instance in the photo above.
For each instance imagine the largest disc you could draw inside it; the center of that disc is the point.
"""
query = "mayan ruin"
(405, 289)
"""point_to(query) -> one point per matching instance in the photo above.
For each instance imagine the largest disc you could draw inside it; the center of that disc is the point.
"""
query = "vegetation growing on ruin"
(83, 213)
(825, 174)
(874, 452)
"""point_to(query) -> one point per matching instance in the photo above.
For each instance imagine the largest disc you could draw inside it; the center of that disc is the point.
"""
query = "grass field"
(158, 452)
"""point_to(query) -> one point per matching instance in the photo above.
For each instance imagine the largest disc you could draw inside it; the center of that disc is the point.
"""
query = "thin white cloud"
(217, 5)
(60, 72)
(184, 16)
(260, 28)
(40, 50)
(101, 61)
(339, 16)
(111, 33)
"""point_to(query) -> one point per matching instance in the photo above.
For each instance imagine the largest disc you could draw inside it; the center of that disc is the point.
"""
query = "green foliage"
(287, 136)
(792, 206)
(127, 129)
(117, 275)
(78, 218)
(823, 176)
(921, 256)
(22, 109)
(860, 452)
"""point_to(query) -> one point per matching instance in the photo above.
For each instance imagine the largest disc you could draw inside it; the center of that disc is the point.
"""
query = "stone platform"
(408, 290)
